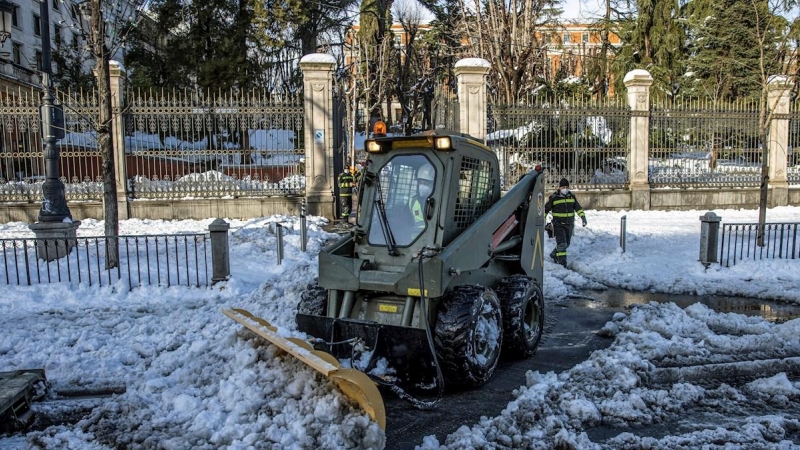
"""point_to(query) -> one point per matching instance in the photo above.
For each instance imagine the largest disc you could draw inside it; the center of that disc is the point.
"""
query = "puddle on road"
(770, 310)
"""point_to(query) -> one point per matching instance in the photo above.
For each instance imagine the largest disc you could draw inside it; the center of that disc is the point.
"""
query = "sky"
(191, 378)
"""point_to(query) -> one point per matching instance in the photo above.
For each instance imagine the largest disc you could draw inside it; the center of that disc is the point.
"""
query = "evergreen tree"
(653, 38)
(726, 50)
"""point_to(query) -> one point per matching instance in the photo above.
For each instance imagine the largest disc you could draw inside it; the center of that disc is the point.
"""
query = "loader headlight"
(442, 143)
(372, 146)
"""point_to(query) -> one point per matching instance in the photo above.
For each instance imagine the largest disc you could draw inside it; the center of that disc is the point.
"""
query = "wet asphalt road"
(570, 336)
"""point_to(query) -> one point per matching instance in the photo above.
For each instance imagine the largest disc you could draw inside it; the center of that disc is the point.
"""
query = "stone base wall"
(239, 208)
(248, 208)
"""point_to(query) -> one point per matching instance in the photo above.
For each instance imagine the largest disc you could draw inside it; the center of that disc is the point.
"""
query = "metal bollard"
(623, 232)
(303, 227)
(279, 235)
(220, 252)
(709, 235)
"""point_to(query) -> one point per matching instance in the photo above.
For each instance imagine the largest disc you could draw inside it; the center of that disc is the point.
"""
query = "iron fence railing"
(702, 144)
(740, 241)
(585, 141)
(162, 260)
(196, 144)
(177, 145)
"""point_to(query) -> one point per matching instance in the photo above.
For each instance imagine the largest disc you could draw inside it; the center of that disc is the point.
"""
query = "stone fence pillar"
(638, 82)
(318, 125)
(471, 76)
(779, 90)
(117, 75)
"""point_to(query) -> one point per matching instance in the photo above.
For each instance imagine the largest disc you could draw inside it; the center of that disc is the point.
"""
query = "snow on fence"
(739, 241)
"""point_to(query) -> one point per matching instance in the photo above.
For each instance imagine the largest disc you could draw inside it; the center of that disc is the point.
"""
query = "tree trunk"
(104, 144)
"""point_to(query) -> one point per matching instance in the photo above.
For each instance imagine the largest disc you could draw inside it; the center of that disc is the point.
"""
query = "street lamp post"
(54, 203)
(55, 230)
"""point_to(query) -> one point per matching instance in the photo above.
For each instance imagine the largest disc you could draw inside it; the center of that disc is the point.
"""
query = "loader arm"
(473, 248)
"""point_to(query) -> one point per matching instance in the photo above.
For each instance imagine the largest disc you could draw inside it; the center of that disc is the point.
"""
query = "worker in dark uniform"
(345, 194)
(563, 205)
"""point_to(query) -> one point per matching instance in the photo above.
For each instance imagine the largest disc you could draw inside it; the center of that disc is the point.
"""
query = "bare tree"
(772, 30)
(512, 36)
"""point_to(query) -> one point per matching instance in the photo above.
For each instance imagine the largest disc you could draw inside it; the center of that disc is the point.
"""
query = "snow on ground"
(193, 379)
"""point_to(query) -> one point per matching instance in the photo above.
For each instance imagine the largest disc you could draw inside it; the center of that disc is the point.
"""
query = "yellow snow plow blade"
(353, 383)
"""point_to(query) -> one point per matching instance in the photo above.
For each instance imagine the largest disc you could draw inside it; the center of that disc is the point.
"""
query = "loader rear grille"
(475, 187)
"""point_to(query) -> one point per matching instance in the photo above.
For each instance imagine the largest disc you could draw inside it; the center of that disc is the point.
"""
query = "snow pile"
(622, 387)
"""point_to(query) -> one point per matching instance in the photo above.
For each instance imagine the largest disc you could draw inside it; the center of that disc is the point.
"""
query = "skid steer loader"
(440, 275)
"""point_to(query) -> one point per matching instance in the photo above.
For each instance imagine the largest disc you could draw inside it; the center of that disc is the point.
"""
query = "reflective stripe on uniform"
(416, 210)
(569, 214)
(561, 253)
(563, 200)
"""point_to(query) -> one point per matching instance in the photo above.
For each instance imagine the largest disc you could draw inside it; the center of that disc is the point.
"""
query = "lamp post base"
(54, 239)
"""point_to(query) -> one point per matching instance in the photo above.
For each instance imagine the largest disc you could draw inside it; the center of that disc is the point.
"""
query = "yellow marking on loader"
(538, 250)
(414, 292)
(353, 383)
(383, 307)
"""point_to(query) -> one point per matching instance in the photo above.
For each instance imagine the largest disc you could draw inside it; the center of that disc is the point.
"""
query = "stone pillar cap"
(639, 75)
(473, 62)
(318, 58)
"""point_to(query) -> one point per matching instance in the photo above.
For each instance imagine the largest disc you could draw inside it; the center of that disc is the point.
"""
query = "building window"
(566, 38)
(38, 60)
(585, 38)
(16, 53)
(37, 25)
(57, 35)
(398, 40)
(14, 19)
(55, 4)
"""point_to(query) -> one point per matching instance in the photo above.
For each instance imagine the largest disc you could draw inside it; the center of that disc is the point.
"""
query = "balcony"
(17, 73)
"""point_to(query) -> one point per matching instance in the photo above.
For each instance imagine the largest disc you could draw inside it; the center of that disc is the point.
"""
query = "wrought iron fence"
(22, 157)
(177, 145)
(196, 144)
(702, 144)
(162, 260)
(445, 112)
(585, 141)
(21, 163)
(739, 241)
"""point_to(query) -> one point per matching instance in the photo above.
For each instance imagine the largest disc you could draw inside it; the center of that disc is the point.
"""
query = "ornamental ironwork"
(583, 140)
(195, 144)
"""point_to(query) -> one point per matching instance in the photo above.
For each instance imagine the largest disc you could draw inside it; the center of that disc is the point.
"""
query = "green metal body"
(472, 234)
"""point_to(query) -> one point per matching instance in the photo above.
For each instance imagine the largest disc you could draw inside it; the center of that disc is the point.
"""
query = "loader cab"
(404, 197)
(422, 190)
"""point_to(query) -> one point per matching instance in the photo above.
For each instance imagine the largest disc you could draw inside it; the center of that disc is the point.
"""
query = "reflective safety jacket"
(345, 183)
(415, 206)
(563, 207)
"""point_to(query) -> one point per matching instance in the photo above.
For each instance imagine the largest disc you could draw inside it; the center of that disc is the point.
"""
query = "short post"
(279, 236)
(220, 251)
(303, 227)
(623, 232)
(709, 233)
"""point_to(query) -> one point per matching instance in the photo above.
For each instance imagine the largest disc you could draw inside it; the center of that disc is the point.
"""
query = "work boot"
(553, 256)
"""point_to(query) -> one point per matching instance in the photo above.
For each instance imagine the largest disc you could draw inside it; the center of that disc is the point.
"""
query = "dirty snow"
(190, 378)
